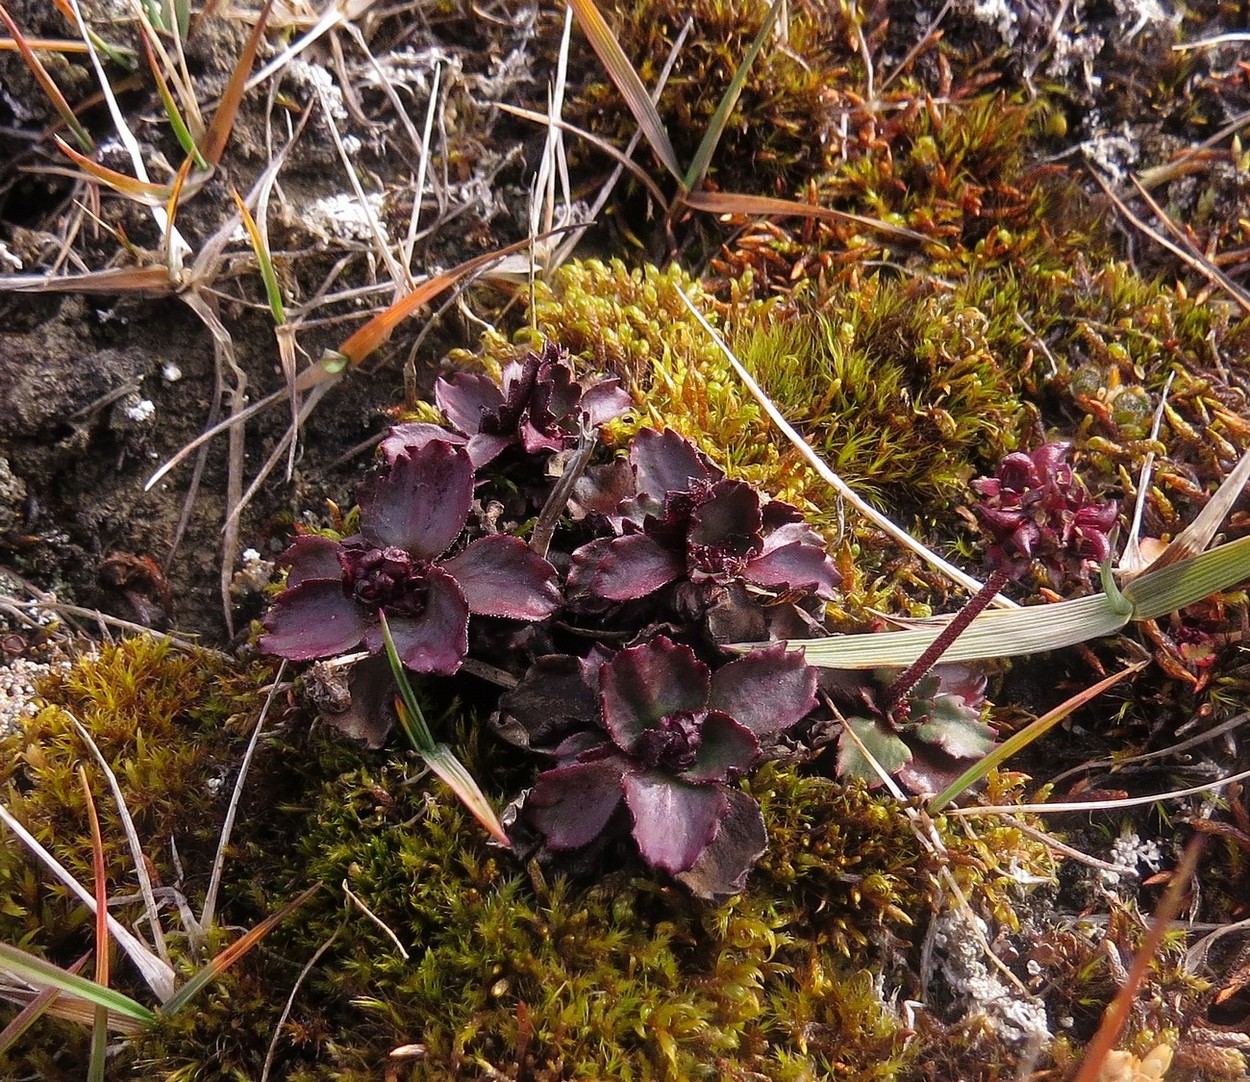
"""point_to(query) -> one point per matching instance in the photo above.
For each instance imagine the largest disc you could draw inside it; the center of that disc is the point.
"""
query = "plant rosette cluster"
(1034, 511)
(677, 521)
(541, 406)
(648, 742)
(411, 514)
(652, 741)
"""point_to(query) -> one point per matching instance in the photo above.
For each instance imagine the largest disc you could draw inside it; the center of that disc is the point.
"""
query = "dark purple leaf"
(604, 401)
(796, 566)
(464, 397)
(930, 770)
(572, 804)
(766, 691)
(643, 684)
(485, 448)
(673, 821)
(666, 462)
(725, 750)
(402, 439)
(420, 503)
(550, 699)
(622, 568)
(728, 523)
(602, 489)
(312, 557)
(503, 576)
(314, 619)
(722, 868)
(778, 514)
(436, 640)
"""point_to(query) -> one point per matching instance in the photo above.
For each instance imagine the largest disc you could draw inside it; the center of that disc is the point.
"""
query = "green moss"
(617, 977)
(781, 129)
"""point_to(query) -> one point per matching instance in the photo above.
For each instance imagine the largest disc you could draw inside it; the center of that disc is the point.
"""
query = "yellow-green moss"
(619, 977)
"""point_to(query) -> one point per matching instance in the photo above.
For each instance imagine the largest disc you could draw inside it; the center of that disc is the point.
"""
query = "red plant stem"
(911, 676)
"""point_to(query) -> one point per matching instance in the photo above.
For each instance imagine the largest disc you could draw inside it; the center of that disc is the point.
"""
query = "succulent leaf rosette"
(685, 519)
(661, 737)
(927, 746)
(411, 514)
(1035, 510)
(540, 406)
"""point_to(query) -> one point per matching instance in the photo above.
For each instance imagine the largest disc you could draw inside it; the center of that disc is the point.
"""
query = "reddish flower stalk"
(915, 672)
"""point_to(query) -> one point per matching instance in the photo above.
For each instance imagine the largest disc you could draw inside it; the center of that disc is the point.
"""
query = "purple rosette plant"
(541, 405)
(1035, 511)
(657, 740)
(411, 514)
(686, 520)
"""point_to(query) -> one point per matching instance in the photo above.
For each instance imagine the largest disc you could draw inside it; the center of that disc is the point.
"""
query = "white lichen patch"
(1129, 851)
(413, 69)
(342, 216)
(1112, 153)
(140, 411)
(995, 13)
(253, 577)
(317, 79)
(1006, 1011)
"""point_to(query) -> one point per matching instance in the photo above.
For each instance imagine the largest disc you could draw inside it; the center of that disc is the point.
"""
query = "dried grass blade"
(1003, 633)
(1195, 537)
(1117, 1013)
(132, 839)
(141, 191)
(1211, 273)
(621, 158)
(725, 107)
(240, 947)
(208, 912)
(1174, 586)
(158, 973)
(622, 73)
(44, 45)
(830, 477)
(129, 281)
(380, 328)
(1017, 741)
(771, 207)
(228, 108)
(99, 1031)
(46, 82)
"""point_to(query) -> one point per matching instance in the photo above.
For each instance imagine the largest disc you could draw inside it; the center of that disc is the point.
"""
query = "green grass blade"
(273, 291)
(412, 717)
(716, 126)
(181, 132)
(443, 762)
(223, 961)
(43, 974)
(622, 73)
(33, 1011)
(1001, 633)
(1026, 736)
(438, 757)
(1157, 593)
